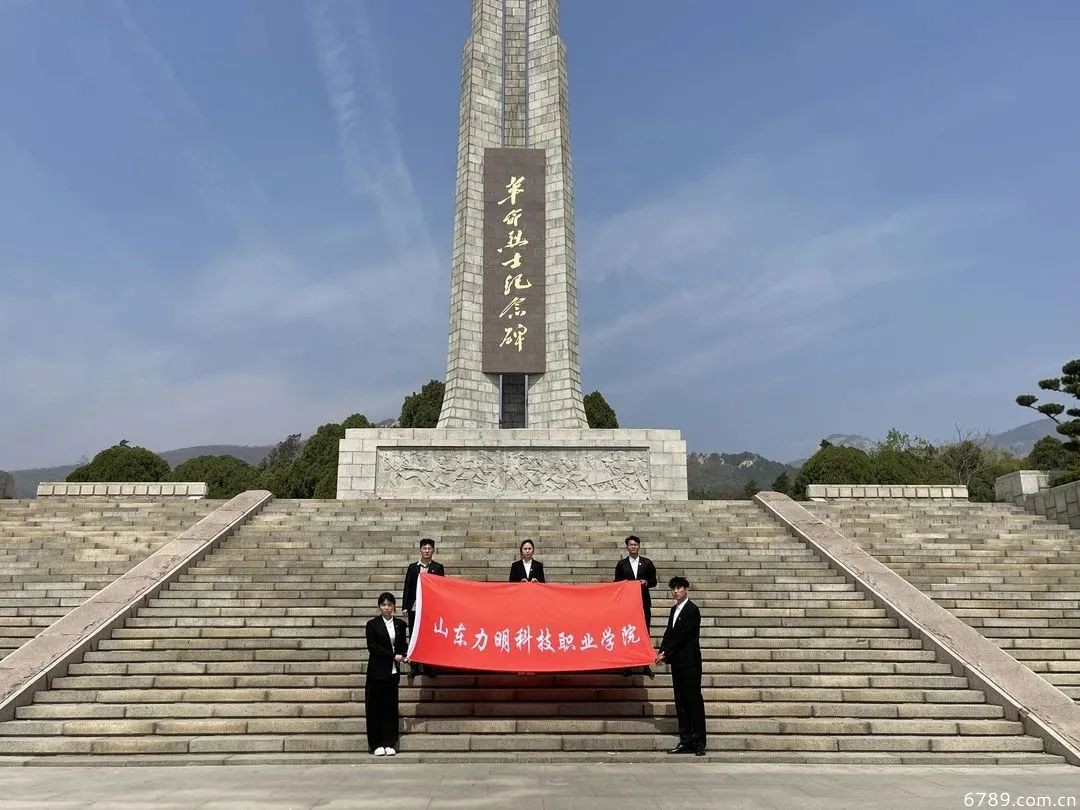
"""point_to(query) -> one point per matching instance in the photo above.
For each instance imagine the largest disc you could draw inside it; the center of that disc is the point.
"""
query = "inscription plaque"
(514, 281)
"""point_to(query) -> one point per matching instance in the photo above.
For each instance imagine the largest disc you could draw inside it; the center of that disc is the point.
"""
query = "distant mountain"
(855, 440)
(852, 440)
(1019, 441)
(729, 473)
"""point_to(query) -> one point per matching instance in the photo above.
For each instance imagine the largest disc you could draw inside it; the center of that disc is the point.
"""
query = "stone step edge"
(362, 758)
(32, 666)
(1046, 711)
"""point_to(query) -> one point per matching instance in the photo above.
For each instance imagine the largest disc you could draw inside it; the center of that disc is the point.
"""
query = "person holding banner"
(427, 564)
(527, 569)
(681, 650)
(387, 647)
(636, 567)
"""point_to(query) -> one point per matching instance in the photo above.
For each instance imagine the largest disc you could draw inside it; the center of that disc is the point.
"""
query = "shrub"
(422, 410)
(122, 462)
(1066, 477)
(225, 476)
(907, 467)
(833, 464)
(1049, 454)
(317, 460)
(598, 413)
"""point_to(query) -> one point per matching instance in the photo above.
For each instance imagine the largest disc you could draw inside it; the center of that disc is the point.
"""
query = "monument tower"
(512, 423)
(514, 122)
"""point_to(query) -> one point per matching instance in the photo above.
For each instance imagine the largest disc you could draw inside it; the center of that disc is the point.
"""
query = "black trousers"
(381, 702)
(689, 705)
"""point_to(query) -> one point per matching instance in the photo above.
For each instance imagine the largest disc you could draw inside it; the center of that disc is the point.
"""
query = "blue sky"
(226, 222)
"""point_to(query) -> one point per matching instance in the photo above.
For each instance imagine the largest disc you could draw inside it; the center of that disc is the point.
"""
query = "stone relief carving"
(528, 471)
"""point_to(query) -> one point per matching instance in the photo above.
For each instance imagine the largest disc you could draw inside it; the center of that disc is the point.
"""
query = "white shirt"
(390, 629)
(528, 568)
(678, 610)
(634, 563)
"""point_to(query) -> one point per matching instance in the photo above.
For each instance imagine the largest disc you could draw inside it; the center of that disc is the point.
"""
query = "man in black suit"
(642, 569)
(408, 591)
(681, 650)
(387, 646)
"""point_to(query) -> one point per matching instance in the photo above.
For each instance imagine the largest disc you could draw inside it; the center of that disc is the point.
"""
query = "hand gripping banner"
(528, 626)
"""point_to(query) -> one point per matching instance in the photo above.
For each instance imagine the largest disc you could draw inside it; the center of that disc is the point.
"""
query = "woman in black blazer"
(535, 570)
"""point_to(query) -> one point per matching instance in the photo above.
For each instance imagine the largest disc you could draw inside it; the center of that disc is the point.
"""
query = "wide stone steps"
(258, 650)
(56, 553)
(787, 747)
(444, 707)
(1013, 576)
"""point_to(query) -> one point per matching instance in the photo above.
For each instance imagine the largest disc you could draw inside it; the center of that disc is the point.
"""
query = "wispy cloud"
(229, 191)
(733, 255)
(364, 114)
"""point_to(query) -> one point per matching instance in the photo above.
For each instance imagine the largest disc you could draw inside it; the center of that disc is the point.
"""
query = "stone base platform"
(513, 464)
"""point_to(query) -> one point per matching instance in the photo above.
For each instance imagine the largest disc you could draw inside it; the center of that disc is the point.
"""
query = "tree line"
(294, 468)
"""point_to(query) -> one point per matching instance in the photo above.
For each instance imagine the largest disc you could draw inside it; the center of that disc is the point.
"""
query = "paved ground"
(387, 785)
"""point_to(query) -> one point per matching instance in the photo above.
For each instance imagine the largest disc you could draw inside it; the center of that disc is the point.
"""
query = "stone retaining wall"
(1015, 487)
(1031, 490)
(822, 491)
(1061, 504)
(183, 489)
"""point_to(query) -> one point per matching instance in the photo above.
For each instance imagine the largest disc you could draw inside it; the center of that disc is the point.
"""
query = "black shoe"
(681, 749)
(699, 752)
(647, 671)
(626, 673)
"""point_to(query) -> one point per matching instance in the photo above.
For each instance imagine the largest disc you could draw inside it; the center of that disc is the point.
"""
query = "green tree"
(1049, 454)
(899, 442)
(908, 467)
(224, 476)
(357, 420)
(1067, 384)
(422, 410)
(599, 413)
(317, 460)
(994, 464)
(751, 489)
(122, 462)
(834, 464)
(274, 469)
(782, 483)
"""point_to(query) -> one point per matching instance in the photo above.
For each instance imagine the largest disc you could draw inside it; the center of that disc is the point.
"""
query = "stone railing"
(1031, 490)
(822, 491)
(185, 489)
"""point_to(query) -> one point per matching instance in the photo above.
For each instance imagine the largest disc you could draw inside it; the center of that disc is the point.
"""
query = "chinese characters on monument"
(514, 223)
(529, 627)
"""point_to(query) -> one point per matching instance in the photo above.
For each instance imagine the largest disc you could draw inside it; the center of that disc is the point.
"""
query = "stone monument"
(512, 423)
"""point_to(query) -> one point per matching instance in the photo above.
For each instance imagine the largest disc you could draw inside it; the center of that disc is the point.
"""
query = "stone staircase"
(257, 651)
(56, 553)
(1013, 576)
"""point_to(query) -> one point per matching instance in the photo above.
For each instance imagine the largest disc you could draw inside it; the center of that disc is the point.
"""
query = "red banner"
(529, 627)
